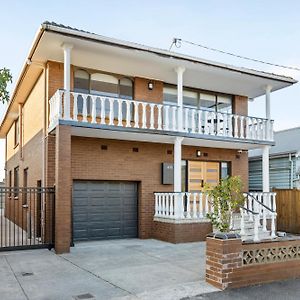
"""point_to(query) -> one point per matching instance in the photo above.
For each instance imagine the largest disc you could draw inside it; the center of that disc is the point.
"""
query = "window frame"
(200, 91)
(17, 132)
(119, 77)
(16, 181)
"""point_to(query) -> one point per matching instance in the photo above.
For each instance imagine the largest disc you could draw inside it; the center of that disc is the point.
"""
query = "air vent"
(84, 296)
(103, 147)
(25, 274)
(135, 149)
(169, 152)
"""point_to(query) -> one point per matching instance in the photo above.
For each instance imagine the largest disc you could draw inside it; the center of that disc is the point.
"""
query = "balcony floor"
(147, 135)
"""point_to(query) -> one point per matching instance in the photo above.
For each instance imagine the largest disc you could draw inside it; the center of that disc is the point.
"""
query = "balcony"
(103, 112)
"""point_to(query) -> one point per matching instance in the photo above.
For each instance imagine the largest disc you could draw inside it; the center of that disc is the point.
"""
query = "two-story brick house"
(110, 123)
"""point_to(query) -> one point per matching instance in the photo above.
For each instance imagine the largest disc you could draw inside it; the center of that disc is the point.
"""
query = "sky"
(267, 30)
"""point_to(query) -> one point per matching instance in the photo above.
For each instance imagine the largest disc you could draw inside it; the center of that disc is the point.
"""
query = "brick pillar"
(223, 256)
(63, 183)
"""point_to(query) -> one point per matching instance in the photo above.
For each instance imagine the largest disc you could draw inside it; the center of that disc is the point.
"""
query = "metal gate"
(26, 218)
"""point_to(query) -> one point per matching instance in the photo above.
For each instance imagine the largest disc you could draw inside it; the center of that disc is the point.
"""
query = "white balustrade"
(102, 110)
(182, 206)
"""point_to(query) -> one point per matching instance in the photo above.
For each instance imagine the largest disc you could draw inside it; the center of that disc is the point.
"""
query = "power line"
(177, 43)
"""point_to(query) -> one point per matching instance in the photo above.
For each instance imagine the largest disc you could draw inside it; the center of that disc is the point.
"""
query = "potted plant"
(226, 198)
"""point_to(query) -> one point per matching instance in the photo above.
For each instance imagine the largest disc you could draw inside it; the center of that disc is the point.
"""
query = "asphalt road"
(284, 290)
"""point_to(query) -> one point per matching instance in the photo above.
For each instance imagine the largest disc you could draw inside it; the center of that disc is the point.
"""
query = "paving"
(283, 290)
(117, 269)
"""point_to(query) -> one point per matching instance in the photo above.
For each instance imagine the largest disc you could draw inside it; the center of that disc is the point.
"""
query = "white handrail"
(103, 110)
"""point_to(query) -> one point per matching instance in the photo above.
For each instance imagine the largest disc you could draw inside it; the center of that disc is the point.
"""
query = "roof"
(68, 29)
(141, 60)
(286, 141)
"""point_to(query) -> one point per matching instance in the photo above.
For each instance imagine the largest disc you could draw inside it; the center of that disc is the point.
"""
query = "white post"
(265, 169)
(268, 109)
(67, 82)
(177, 164)
(179, 71)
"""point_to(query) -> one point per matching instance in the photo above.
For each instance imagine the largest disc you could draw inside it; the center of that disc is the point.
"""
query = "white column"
(177, 164)
(265, 169)
(268, 106)
(67, 82)
(179, 71)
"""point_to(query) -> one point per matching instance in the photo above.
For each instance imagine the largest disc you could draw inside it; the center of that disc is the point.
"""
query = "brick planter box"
(230, 263)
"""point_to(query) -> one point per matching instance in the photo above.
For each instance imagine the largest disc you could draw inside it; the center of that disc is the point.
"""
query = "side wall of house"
(28, 153)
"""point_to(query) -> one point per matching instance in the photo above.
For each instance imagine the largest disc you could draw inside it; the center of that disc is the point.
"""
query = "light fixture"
(198, 153)
(150, 85)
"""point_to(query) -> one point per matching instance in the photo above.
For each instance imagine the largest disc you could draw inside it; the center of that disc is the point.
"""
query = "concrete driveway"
(119, 269)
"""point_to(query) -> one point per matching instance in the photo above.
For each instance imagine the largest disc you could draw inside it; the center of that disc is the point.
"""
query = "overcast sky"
(267, 30)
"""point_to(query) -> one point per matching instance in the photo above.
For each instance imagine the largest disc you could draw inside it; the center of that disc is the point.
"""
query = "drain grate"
(25, 274)
(84, 296)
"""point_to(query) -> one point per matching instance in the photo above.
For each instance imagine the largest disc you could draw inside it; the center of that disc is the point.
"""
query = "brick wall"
(181, 233)
(119, 162)
(231, 264)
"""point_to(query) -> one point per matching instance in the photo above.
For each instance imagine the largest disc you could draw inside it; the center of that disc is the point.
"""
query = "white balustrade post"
(230, 133)
(236, 129)
(195, 205)
(159, 117)
(84, 108)
(120, 117)
(256, 228)
(151, 116)
(264, 200)
(75, 106)
(182, 216)
(242, 129)
(206, 127)
(156, 195)
(102, 113)
(111, 111)
(128, 113)
(188, 206)
(193, 120)
(199, 122)
(136, 114)
(93, 109)
(200, 205)
(180, 71)
(144, 116)
(172, 200)
(242, 232)
(186, 119)
(177, 164)
(67, 82)
(166, 117)
(163, 204)
(265, 169)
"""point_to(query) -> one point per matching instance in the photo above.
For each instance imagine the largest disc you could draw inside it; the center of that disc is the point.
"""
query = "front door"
(201, 173)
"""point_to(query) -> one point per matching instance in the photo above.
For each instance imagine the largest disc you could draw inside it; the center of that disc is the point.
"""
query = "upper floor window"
(103, 84)
(199, 100)
(17, 132)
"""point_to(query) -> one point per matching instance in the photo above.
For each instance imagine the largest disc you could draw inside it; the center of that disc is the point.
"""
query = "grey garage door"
(104, 210)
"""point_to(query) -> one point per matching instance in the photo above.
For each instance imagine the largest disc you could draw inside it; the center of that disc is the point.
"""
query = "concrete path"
(120, 269)
(283, 290)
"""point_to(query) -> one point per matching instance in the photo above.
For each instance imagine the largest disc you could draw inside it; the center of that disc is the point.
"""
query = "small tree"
(5, 78)
(225, 198)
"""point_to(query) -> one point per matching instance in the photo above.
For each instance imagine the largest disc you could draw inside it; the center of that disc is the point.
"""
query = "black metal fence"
(26, 218)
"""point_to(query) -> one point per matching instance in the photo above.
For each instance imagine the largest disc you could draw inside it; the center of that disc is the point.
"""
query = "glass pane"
(81, 81)
(207, 102)
(225, 169)
(106, 85)
(183, 175)
(190, 99)
(225, 104)
(170, 95)
(126, 90)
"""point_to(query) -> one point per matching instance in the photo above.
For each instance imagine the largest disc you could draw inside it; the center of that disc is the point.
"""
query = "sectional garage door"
(104, 210)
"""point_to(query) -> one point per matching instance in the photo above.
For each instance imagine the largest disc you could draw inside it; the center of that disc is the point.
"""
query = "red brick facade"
(70, 158)
(231, 264)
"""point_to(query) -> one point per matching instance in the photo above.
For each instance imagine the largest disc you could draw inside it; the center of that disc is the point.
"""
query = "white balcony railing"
(194, 207)
(85, 108)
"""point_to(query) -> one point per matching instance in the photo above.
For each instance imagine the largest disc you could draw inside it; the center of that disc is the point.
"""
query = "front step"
(249, 228)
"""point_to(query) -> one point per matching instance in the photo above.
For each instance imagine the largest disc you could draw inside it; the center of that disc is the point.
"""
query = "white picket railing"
(264, 207)
(258, 208)
(182, 206)
(154, 116)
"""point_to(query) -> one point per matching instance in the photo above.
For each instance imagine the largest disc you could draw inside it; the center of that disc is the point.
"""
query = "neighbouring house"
(129, 134)
(284, 165)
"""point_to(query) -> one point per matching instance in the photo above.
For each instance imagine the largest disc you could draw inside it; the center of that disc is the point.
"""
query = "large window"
(199, 100)
(103, 85)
